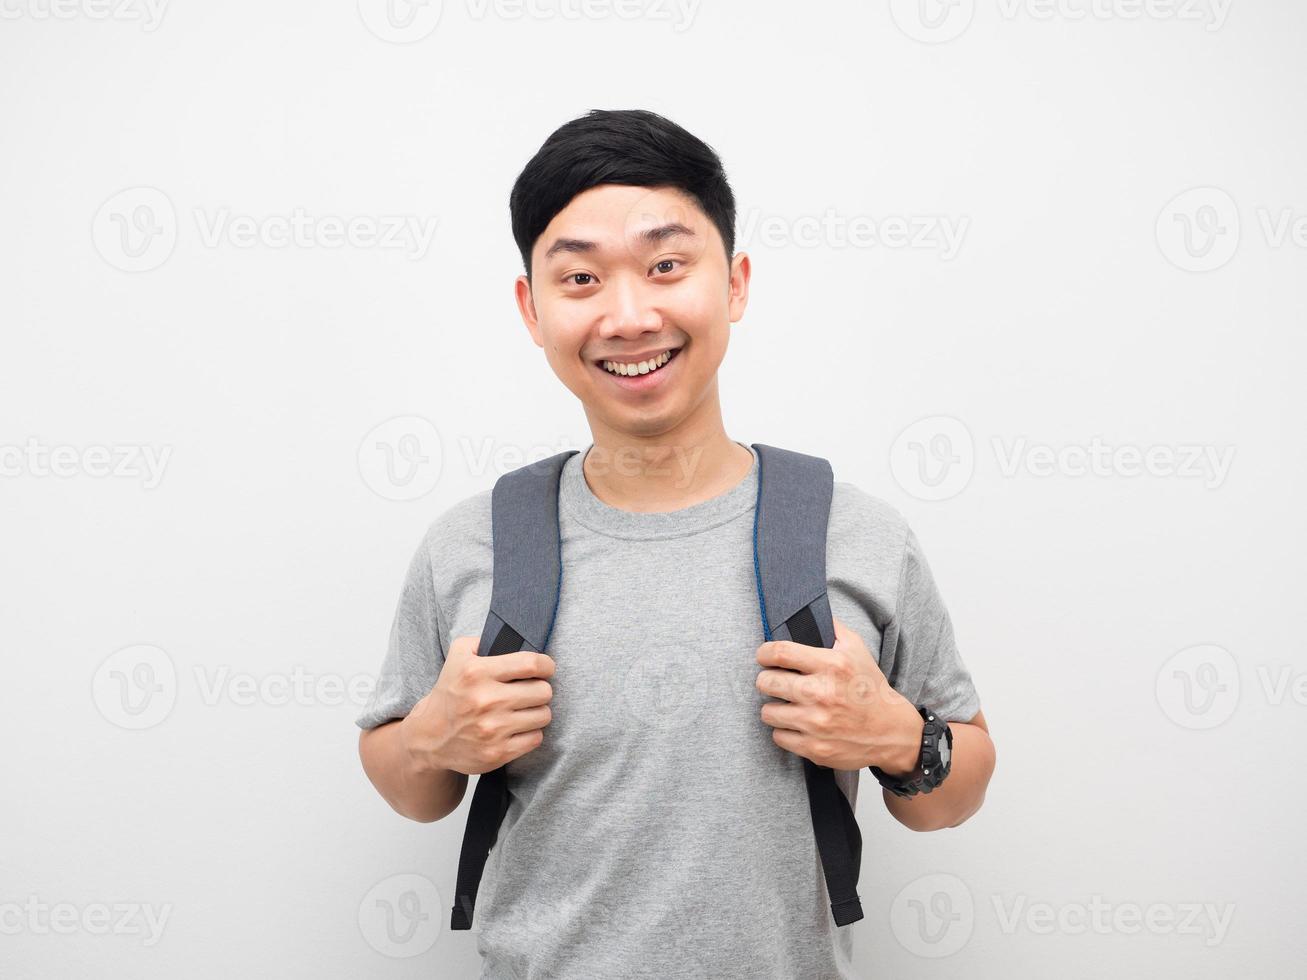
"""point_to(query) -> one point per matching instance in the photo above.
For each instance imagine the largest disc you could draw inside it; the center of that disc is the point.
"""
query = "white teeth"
(643, 367)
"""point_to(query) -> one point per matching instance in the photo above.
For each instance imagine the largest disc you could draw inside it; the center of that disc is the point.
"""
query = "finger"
(791, 656)
(529, 719)
(786, 716)
(780, 684)
(523, 742)
(519, 665)
(789, 740)
(528, 694)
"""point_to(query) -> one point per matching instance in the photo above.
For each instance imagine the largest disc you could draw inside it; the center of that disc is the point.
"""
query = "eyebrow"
(650, 236)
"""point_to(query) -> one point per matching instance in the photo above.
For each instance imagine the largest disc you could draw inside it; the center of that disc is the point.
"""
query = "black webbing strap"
(486, 814)
(523, 602)
(839, 841)
(790, 526)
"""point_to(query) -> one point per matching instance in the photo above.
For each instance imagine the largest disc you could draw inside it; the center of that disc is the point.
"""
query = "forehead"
(613, 216)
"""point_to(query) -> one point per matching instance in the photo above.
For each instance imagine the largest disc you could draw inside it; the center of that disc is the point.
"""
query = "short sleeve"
(415, 653)
(928, 668)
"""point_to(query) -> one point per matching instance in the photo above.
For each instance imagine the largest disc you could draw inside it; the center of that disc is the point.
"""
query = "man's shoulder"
(461, 532)
(856, 512)
(866, 543)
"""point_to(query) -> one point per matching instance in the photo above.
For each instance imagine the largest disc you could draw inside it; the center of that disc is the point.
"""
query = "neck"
(668, 470)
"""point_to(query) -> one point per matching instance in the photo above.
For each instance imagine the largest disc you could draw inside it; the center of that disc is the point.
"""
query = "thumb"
(842, 633)
(463, 646)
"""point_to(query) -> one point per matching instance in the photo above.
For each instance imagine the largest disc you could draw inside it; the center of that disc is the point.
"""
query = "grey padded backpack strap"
(528, 573)
(789, 555)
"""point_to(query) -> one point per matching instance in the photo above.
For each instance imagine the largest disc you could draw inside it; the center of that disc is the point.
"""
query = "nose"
(632, 311)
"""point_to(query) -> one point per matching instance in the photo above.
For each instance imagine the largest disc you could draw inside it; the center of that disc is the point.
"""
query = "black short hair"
(617, 146)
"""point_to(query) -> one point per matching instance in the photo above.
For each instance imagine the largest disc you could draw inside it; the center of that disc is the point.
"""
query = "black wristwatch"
(933, 764)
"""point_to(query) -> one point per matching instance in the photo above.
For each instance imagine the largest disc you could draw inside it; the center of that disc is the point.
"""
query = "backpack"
(789, 561)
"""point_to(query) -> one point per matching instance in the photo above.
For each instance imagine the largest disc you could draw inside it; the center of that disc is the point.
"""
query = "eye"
(580, 275)
(669, 262)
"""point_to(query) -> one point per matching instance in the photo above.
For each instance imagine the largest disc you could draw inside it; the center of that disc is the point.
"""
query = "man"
(659, 822)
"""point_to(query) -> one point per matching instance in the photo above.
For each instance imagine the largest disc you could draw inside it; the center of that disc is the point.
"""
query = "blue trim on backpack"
(757, 568)
(558, 593)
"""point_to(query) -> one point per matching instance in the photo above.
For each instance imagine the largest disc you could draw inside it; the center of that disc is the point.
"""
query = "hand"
(838, 709)
(483, 711)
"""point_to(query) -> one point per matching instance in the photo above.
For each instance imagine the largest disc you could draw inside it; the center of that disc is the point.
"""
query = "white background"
(1094, 295)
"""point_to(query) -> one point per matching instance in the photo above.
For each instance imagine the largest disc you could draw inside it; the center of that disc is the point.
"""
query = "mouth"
(640, 375)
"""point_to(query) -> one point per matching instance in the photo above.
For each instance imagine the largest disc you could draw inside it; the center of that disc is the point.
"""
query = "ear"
(526, 305)
(738, 287)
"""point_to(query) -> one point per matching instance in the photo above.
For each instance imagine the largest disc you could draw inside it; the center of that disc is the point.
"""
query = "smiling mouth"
(632, 369)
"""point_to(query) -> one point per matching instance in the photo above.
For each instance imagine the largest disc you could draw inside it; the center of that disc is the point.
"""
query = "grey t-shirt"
(658, 831)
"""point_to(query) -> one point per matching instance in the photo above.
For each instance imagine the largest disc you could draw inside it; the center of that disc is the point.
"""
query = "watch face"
(945, 753)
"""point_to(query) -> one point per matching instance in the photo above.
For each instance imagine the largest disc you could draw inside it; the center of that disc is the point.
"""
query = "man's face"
(627, 274)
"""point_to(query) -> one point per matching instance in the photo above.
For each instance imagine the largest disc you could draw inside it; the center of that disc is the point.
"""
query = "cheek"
(699, 309)
(563, 336)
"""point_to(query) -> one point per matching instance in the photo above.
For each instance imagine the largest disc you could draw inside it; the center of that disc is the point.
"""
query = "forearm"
(414, 791)
(962, 792)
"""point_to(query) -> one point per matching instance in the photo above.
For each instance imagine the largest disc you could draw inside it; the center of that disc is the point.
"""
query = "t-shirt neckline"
(578, 501)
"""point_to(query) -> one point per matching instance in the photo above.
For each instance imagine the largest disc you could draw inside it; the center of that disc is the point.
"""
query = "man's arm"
(413, 789)
(962, 792)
